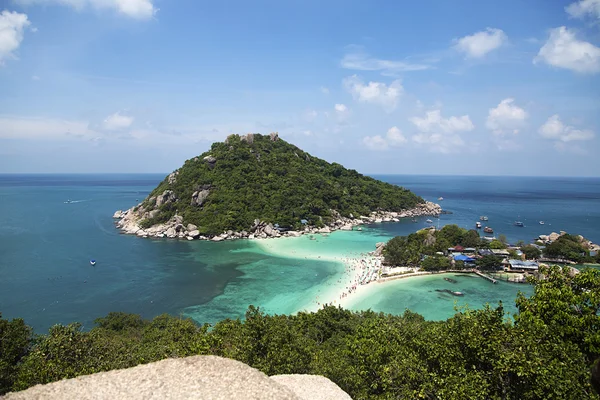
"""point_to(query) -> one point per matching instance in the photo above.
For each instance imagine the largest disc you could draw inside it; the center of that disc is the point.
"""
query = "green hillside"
(259, 176)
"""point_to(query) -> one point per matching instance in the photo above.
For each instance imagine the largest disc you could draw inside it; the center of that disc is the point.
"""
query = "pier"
(484, 276)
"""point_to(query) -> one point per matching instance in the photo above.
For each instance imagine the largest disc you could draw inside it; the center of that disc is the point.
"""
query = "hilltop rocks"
(249, 138)
(166, 197)
(274, 136)
(172, 178)
(198, 197)
(211, 161)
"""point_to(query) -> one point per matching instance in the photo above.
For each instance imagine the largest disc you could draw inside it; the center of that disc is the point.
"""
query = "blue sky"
(409, 87)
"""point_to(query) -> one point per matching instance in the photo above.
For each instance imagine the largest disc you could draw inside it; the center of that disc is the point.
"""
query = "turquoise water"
(419, 295)
(46, 245)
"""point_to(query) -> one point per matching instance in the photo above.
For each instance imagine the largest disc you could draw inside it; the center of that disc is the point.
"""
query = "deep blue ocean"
(46, 245)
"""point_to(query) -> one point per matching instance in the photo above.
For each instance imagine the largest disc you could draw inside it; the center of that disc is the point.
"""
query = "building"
(520, 265)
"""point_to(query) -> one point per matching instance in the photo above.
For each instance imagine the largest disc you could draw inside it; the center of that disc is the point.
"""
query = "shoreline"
(128, 222)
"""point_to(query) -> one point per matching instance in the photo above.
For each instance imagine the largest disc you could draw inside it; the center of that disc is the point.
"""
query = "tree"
(497, 245)
(502, 238)
(470, 239)
(15, 340)
(531, 252)
(435, 263)
(488, 262)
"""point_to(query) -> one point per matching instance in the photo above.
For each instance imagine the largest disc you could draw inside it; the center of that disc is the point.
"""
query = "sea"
(51, 226)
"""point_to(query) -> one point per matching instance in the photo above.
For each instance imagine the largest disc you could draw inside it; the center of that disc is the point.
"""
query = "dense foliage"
(546, 353)
(569, 247)
(409, 250)
(271, 180)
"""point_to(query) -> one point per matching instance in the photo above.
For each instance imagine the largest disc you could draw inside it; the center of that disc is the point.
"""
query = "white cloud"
(554, 129)
(393, 138)
(433, 122)
(35, 78)
(376, 143)
(441, 134)
(361, 61)
(12, 25)
(117, 122)
(138, 9)
(481, 43)
(583, 8)
(310, 115)
(505, 118)
(375, 92)
(341, 112)
(42, 128)
(341, 108)
(324, 90)
(564, 50)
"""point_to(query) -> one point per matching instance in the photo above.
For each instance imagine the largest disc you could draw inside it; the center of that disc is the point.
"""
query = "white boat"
(483, 218)
(440, 198)
(542, 222)
(478, 225)
(93, 262)
(429, 221)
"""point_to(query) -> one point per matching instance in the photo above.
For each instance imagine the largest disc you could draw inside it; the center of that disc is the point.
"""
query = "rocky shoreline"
(128, 222)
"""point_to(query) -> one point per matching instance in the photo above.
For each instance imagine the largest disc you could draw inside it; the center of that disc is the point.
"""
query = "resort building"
(520, 265)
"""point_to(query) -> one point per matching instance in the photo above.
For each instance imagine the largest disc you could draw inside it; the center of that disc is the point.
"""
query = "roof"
(523, 264)
(500, 252)
(486, 252)
(462, 257)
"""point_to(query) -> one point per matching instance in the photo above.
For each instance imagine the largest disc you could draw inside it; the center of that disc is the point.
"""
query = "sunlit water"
(46, 246)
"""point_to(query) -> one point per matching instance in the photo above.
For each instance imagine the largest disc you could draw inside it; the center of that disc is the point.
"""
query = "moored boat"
(450, 280)
(93, 262)
(542, 222)
(478, 225)
(519, 223)
(483, 218)
(487, 229)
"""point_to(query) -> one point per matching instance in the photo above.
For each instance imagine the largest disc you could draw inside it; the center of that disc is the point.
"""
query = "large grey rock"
(166, 197)
(268, 230)
(198, 377)
(312, 387)
(191, 227)
(199, 197)
(194, 234)
(171, 233)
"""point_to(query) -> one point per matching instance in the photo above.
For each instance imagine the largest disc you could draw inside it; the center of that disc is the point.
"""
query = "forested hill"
(263, 177)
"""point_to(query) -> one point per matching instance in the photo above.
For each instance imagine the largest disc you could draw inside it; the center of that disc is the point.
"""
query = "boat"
(414, 220)
(453, 293)
(68, 201)
(440, 198)
(487, 229)
(519, 223)
(483, 218)
(93, 262)
(478, 225)
(359, 229)
(429, 221)
(450, 280)
(542, 222)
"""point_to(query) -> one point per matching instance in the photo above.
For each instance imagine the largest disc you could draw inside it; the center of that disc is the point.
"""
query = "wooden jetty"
(484, 276)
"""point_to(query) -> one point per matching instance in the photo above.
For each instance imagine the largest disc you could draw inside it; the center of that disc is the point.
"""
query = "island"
(260, 186)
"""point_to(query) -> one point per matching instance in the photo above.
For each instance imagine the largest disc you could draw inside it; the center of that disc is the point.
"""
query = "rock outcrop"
(197, 377)
(128, 222)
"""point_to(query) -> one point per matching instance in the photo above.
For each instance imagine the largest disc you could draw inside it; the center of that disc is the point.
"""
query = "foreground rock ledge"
(197, 377)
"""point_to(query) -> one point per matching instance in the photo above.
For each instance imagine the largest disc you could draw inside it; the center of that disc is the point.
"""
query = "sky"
(461, 87)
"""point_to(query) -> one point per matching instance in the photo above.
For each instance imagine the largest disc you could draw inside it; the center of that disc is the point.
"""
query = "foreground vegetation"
(545, 352)
(272, 180)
